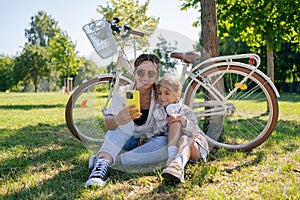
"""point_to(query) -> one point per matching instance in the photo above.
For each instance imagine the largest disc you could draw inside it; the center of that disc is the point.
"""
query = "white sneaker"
(173, 173)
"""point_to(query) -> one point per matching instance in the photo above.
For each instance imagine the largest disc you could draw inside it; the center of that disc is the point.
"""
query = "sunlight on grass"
(41, 159)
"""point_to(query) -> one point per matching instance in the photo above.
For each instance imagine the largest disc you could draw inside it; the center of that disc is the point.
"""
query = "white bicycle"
(235, 102)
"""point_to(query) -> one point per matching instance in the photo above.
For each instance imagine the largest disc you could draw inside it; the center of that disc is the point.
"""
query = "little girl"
(177, 120)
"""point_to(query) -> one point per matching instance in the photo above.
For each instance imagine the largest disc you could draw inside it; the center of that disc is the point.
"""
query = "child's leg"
(194, 151)
(184, 151)
(173, 137)
(199, 149)
(175, 170)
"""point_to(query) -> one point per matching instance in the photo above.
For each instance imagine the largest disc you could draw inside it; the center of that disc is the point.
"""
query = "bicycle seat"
(187, 57)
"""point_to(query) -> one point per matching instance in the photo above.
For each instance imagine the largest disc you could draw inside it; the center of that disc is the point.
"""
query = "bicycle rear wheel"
(84, 110)
(252, 110)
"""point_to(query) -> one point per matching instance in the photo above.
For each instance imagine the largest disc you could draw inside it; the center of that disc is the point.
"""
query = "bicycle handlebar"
(138, 33)
(117, 28)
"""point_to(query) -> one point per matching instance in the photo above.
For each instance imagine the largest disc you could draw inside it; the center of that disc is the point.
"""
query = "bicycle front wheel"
(84, 110)
(251, 111)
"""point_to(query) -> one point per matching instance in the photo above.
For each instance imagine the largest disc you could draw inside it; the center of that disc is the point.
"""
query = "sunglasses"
(142, 72)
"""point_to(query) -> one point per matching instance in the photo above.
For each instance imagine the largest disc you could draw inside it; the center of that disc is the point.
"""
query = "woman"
(125, 122)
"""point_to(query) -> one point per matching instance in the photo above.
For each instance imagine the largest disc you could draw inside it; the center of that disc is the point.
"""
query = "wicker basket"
(100, 35)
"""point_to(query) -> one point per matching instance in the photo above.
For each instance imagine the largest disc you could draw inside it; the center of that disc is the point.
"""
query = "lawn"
(40, 159)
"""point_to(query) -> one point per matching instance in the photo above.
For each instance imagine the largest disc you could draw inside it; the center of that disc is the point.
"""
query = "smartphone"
(133, 97)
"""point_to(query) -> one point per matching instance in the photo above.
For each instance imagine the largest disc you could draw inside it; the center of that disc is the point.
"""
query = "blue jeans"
(152, 151)
(117, 141)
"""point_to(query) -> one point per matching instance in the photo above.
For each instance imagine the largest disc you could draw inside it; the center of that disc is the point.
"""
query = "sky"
(71, 15)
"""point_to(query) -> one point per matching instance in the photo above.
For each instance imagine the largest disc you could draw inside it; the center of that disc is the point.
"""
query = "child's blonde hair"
(170, 82)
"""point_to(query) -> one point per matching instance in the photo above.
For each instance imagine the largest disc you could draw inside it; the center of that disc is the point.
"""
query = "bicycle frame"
(116, 72)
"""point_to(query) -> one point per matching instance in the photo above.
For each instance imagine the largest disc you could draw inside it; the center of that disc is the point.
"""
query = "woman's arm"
(109, 122)
(125, 116)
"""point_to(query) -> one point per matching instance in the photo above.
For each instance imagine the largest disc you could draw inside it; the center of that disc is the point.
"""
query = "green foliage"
(6, 72)
(258, 21)
(287, 68)
(163, 51)
(49, 54)
(87, 71)
(32, 65)
(63, 55)
(134, 15)
(259, 24)
(41, 29)
(229, 47)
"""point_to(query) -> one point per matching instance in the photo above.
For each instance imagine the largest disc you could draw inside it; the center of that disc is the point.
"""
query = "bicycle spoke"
(248, 120)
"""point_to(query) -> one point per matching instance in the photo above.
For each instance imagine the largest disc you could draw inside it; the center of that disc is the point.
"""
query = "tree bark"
(213, 126)
(209, 31)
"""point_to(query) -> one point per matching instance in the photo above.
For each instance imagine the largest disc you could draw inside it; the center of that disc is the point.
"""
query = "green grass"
(40, 159)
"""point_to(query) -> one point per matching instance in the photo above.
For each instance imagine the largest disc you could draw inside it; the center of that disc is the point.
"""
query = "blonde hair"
(170, 82)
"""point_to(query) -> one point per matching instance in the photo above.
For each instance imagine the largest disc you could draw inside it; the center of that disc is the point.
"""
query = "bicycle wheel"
(251, 112)
(84, 110)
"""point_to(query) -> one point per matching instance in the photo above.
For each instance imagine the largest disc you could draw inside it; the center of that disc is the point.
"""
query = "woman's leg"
(153, 151)
(113, 144)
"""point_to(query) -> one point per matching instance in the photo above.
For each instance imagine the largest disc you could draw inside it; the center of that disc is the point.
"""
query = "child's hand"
(141, 140)
(174, 118)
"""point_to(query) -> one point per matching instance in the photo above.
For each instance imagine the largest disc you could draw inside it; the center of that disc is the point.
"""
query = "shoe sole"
(95, 182)
(170, 178)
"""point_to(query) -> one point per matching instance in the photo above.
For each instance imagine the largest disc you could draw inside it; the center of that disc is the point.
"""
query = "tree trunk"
(209, 31)
(35, 83)
(270, 61)
(213, 126)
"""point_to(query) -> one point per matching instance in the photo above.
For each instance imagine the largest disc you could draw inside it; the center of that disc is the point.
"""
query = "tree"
(163, 51)
(259, 22)
(87, 71)
(41, 29)
(213, 126)
(287, 68)
(6, 72)
(32, 65)
(228, 46)
(134, 15)
(208, 23)
(63, 55)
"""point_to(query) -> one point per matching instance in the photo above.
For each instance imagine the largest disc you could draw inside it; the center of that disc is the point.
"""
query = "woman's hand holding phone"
(126, 115)
(133, 99)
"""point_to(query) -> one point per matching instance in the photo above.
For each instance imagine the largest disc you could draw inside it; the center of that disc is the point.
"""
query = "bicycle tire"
(83, 114)
(246, 128)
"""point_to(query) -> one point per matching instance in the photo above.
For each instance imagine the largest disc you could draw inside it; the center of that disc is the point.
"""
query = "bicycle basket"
(101, 37)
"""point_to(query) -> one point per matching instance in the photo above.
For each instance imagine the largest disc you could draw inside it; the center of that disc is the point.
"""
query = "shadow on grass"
(55, 153)
(30, 107)
(286, 135)
(46, 157)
